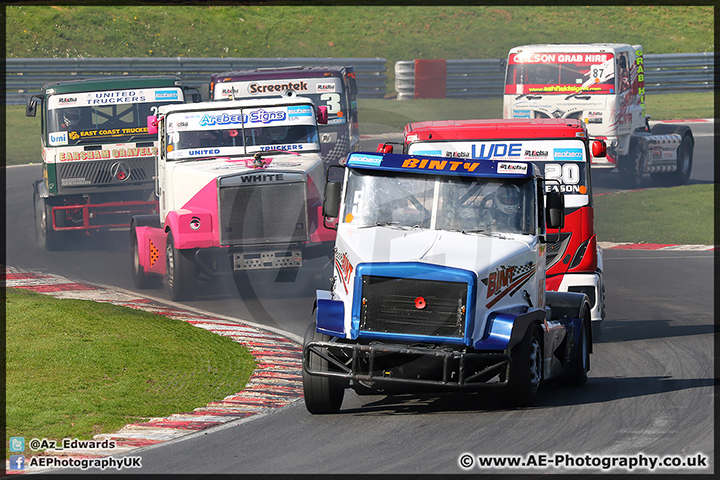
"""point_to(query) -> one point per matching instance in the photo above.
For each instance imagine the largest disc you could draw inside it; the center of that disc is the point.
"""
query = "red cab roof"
(496, 129)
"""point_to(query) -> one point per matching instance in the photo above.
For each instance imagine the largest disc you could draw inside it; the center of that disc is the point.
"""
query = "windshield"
(327, 91)
(115, 116)
(228, 132)
(453, 203)
(562, 160)
(560, 73)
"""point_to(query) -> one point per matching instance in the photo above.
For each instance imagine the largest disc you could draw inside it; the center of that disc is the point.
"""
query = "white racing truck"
(439, 283)
(239, 189)
(602, 84)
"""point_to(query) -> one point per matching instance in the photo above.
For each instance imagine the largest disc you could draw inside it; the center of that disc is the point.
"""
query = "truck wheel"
(632, 167)
(582, 354)
(684, 162)
(140, 278)
(46, 236)
(684, 166)
(526, 369)
(180, 272)
(322, 394)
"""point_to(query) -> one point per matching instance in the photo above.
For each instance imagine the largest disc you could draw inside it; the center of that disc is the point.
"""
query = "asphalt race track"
(649, 393)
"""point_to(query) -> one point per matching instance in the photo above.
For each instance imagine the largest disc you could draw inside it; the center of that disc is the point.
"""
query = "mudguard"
(566, 304)
(665, 128)
(146, 221)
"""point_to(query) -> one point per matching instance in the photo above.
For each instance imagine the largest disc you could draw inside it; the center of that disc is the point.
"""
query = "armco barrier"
(25, 76)
(664, 73)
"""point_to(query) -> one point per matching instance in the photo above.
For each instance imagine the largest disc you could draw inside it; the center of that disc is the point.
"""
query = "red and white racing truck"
(603, 85)
(239, 186)
(561, 150)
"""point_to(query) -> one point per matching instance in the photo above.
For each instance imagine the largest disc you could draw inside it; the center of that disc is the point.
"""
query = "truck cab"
(239, 187)
(332, 86)
(98, 159)
(561, 150)
(602, 85)
(439, 283)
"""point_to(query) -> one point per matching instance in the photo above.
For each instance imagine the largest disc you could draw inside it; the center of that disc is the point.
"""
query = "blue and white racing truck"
(439, 283)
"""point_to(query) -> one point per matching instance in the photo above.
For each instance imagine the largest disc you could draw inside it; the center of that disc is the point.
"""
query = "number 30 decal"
(569, 173)
(333, 102)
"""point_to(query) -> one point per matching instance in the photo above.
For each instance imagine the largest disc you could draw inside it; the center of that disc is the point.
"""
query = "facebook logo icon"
(17, 462)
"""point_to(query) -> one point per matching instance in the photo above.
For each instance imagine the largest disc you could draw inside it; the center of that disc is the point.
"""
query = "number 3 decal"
(333, 102)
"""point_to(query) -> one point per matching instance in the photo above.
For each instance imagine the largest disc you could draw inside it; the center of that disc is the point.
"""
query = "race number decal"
(568, 173)
(333, 102)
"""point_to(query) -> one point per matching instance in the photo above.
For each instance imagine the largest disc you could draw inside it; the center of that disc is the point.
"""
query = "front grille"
(263, 214)
(84, 174)
(413, 307)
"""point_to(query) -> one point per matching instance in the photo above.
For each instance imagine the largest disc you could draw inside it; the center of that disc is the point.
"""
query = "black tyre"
(684, 162)
(180, 271)
(632, 166)
(578, 376)
(44, 233)
(140, 278)
(323, 395)
(681, 176)
(526, 369)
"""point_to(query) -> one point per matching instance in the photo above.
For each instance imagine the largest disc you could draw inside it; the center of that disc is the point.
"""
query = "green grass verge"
(680, 215)
(374, 29)
(76, 368)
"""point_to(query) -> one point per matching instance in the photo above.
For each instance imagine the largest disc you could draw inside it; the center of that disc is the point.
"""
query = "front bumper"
(379, 364)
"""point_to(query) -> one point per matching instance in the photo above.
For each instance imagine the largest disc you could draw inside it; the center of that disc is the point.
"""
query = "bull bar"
(450, 361)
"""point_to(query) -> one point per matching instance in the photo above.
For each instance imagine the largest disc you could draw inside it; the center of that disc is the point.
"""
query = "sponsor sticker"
(511, 167)
(366, 159)
(568, 154)
(325, 87)
(58, 138)
(167, 95)
(302, 111)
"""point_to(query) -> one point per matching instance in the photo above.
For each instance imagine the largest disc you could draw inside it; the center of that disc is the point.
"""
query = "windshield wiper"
(391, 224)
(576, 94)
(529, 97)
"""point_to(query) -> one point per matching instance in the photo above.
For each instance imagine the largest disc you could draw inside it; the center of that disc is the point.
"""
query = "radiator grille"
(263, 214)
(413, 307)
(98, 173)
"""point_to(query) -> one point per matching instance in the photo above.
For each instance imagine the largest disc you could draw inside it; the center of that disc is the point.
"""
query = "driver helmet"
(542, 74)
(277, 133)
(508, 198)
(71, 116)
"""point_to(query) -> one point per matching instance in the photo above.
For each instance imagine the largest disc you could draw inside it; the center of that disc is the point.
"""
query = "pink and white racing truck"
(240, 188)
(603, 85)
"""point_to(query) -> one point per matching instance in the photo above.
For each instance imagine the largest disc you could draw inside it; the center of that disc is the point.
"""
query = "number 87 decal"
(569, 173)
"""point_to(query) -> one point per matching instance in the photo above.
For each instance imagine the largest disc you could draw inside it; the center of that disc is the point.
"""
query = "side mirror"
(31, 108)
(384, 148)
(152, 124)
(322, 116)
(599, 149)
(331, 200)
(555, 210)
